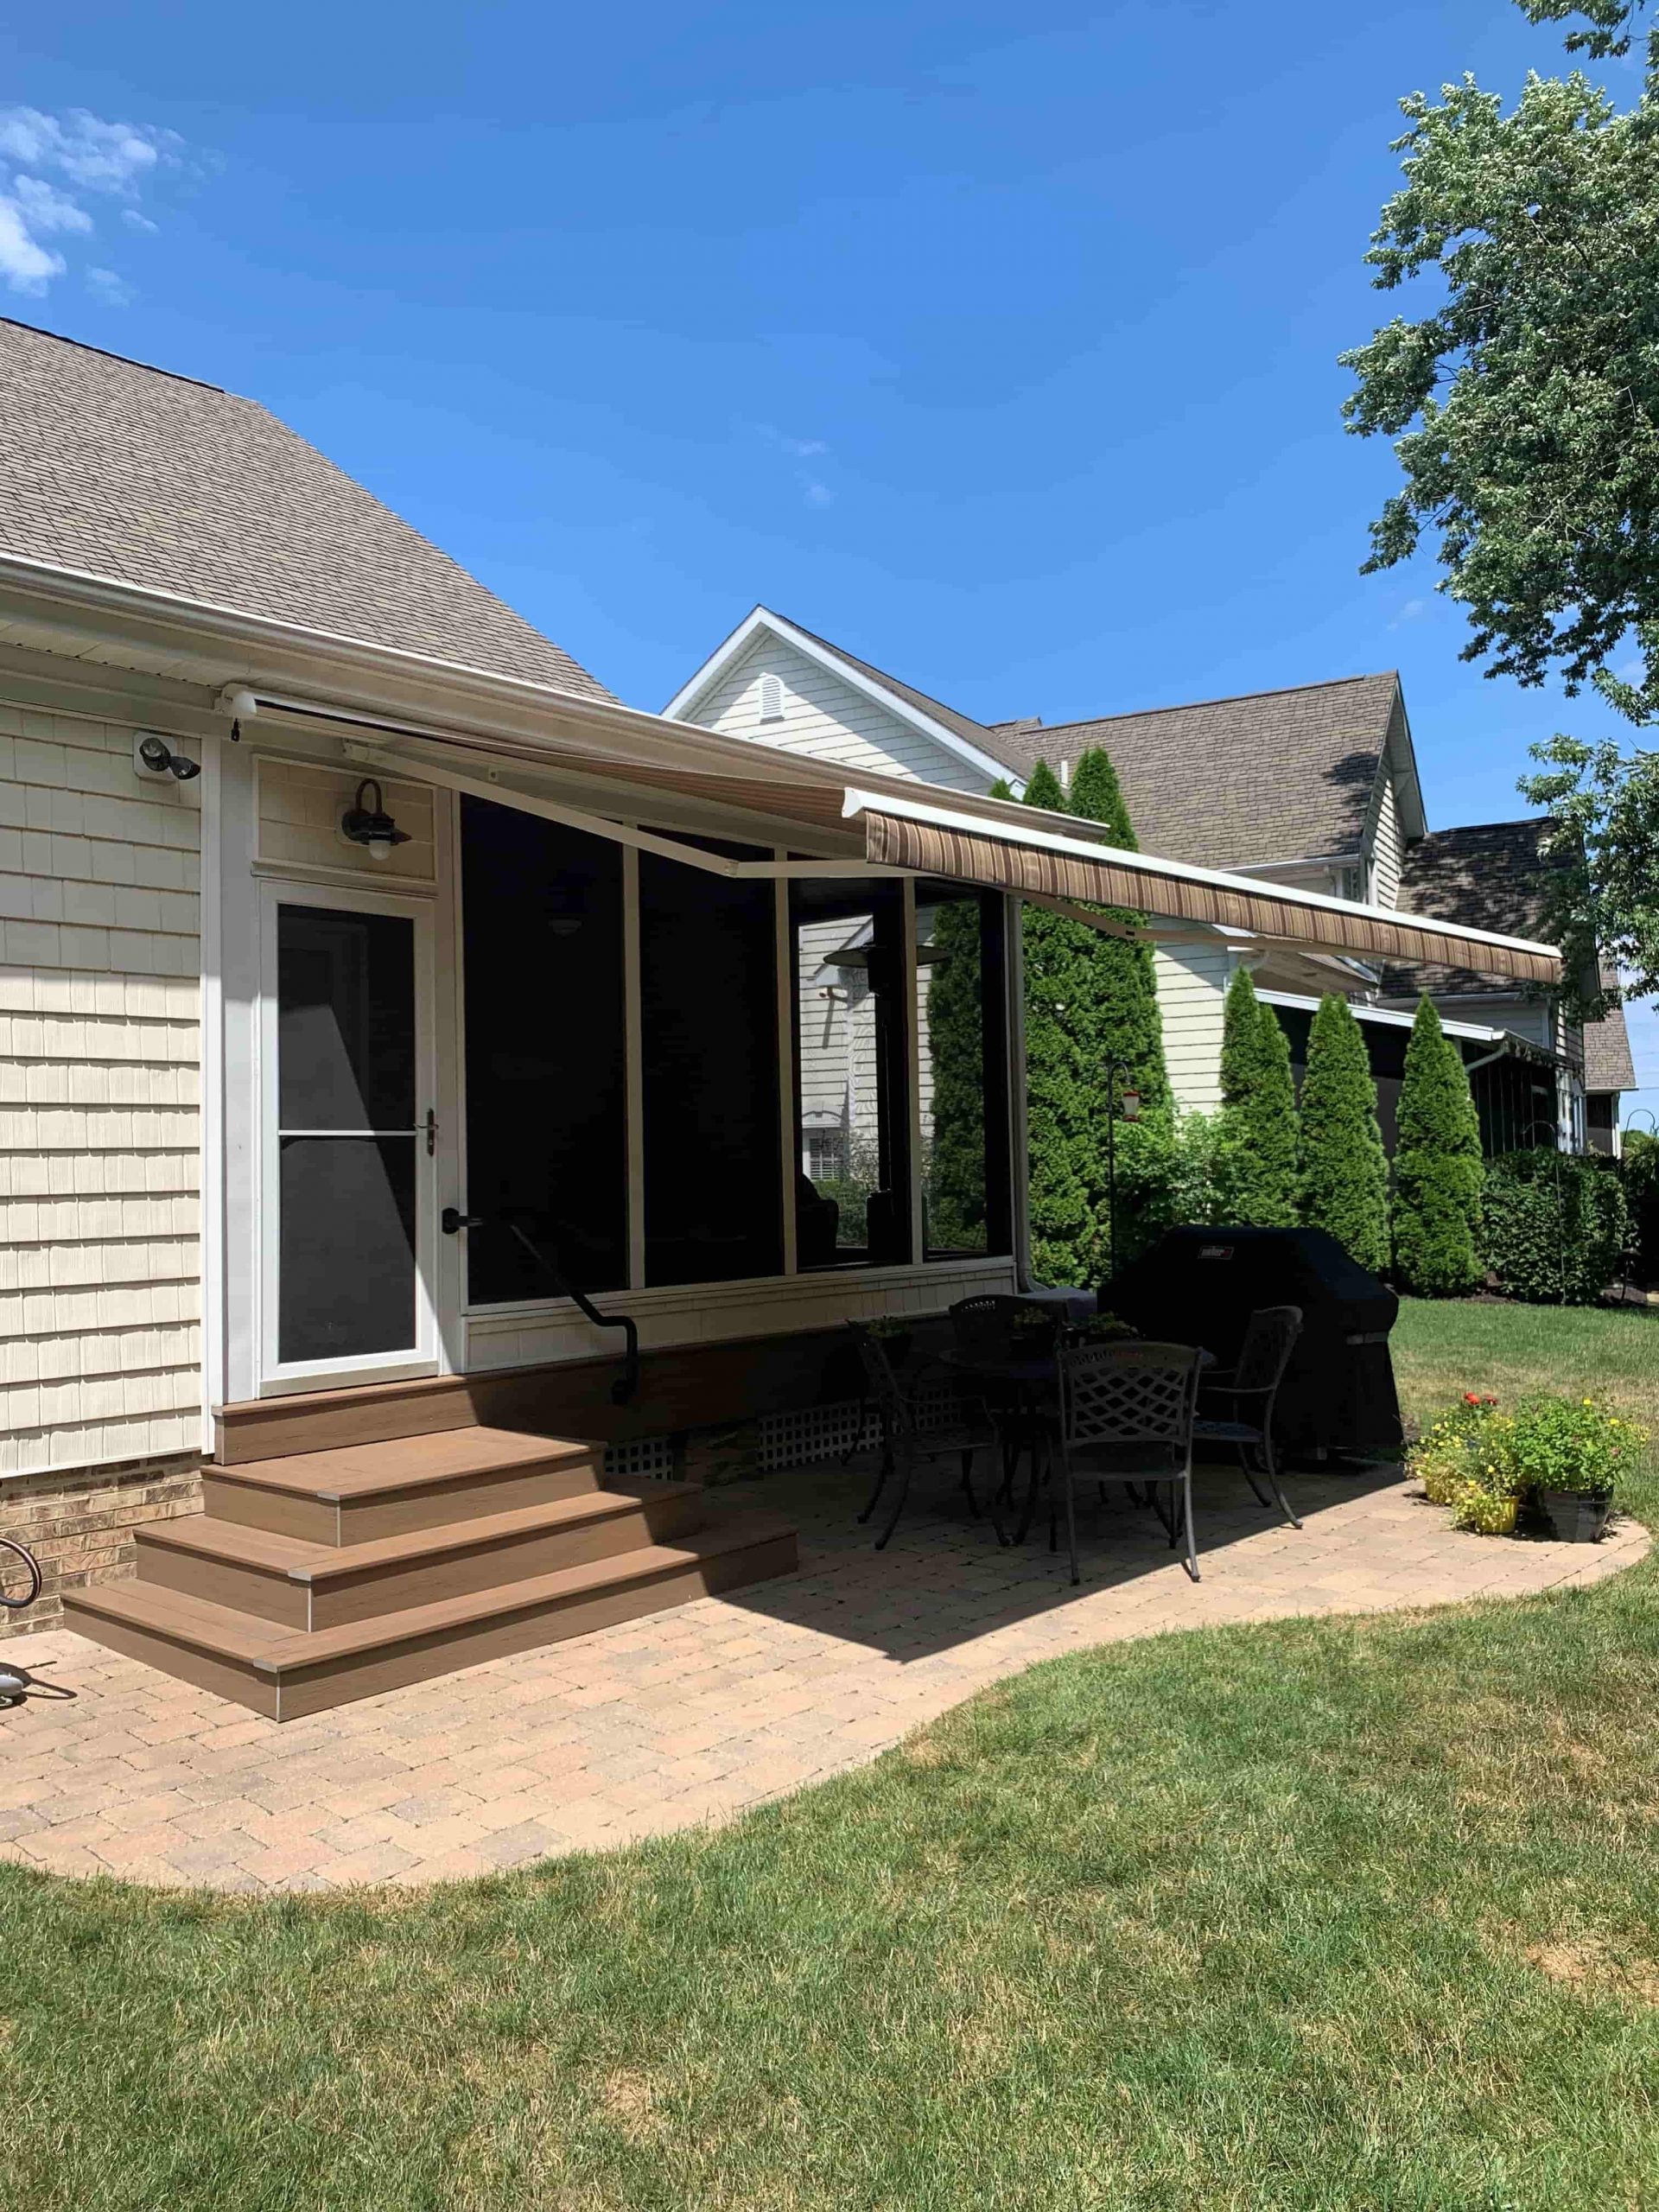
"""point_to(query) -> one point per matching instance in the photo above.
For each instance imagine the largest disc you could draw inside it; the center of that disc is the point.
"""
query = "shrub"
(1437, 1167)
(1553, 1226)
(1570, 1444)
(1642, 1193)
(1344, 1179)
(1257, 1145)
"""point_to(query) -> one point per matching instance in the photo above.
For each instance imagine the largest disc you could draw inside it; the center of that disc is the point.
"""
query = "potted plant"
(896, 1332)
(1461, 1449)
(1571, 1454)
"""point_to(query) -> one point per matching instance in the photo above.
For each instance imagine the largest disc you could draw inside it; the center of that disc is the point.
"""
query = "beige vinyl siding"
(99, 1135)
(1385, 845)
(300, 811)
(1191, 997)
(827, 717)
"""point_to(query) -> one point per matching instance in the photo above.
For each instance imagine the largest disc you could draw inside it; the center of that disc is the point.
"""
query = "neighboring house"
(1315, 787)
(393, 1025)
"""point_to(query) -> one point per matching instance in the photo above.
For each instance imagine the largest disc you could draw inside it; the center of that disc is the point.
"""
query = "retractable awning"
(596, 765)
(938, 841)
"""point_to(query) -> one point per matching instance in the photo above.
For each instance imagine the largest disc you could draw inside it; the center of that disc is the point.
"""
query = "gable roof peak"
(166, 486)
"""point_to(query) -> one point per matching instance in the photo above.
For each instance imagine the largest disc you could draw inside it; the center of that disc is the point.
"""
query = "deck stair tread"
(269, 1648)
(302, 1560)
(358, 1471)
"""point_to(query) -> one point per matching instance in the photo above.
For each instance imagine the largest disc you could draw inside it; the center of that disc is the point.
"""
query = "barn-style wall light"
(369, 825)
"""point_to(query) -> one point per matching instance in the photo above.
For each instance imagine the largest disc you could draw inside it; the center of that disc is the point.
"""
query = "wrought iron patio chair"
(995, 1326)
(1250, 1390)
(1126, 1418)
(923, 1417)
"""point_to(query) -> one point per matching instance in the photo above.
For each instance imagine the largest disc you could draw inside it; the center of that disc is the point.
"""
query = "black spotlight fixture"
(156, 757)
(366, 822)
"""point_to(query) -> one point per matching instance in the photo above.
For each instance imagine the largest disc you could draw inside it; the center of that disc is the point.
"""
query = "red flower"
(1472, 1397)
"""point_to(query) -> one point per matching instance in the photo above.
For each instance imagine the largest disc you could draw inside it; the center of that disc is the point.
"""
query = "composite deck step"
(357, 1492)
(285, 1673)
(304, 1585)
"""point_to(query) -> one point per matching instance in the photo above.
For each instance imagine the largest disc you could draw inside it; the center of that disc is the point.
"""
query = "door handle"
(452, 1219)
(431, 1131)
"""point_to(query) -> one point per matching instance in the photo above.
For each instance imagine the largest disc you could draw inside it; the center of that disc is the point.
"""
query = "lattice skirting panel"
(652, 1458)
(796, 1440)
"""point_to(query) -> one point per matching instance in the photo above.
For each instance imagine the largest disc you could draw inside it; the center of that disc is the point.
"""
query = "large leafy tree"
(1344, 1179)
(1525, 409)
(1437, 1167)
(1258, 1143)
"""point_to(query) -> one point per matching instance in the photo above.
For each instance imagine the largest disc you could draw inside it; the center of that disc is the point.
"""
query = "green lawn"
(1337, 1914)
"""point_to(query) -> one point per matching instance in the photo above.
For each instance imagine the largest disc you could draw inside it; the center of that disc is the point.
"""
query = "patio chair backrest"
(984, 1327)
(891, 1403)
(1269, 1339)
(1128, 1394)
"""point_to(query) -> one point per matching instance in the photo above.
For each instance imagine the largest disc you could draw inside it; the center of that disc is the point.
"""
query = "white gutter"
(1016, 833)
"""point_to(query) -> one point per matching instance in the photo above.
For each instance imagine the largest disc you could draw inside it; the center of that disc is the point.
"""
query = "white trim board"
(762, 619)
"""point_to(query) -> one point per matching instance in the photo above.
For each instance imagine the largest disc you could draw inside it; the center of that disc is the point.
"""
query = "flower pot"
(1576, 1517)
(1440, 1486)
(1483, 1511)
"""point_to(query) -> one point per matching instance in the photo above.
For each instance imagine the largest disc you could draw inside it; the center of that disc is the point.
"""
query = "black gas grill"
(1200, 1285)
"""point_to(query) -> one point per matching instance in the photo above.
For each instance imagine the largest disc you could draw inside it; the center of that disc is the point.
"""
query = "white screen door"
(349, 1136)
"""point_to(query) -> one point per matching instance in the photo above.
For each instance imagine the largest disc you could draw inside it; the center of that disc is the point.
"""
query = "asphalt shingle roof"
(144, 478)
(1495, 875)
(1230, 783)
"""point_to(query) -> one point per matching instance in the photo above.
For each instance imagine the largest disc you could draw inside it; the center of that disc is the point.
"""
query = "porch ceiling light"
(369, 825)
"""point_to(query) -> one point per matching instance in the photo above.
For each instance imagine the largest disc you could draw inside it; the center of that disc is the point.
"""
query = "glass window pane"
(546, 1103)
(345, 1020)
(852, 1190)
(708, 1003)
(346, 1256)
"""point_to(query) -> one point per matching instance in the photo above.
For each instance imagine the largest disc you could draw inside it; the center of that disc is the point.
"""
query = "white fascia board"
(725, 656)
(1009, 832)
(1386, 1016)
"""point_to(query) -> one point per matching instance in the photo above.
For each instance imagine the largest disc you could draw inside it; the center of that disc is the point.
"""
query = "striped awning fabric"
(933, 843)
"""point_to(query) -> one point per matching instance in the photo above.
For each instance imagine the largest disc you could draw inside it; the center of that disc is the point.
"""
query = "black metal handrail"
(31, 1572)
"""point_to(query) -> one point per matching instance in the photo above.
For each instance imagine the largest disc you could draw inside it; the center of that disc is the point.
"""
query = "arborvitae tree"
(1258, 1143)
(1437, 1167)
(1344, 1182)
(1059, 1079)
(956, 1051)
(1124, 1023)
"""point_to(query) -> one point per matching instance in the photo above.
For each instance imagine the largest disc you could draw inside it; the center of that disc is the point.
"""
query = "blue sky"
(998, 344)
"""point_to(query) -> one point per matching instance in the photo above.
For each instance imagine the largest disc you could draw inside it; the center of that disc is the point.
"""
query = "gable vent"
(771, 699)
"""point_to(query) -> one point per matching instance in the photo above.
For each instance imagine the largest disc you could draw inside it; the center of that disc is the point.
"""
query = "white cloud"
(99, 157)
(45, 208)
(114, 290)
(819, 495)
(25, 265)
(81, 151)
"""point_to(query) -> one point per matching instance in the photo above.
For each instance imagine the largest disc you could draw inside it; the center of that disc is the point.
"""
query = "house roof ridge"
(127, 360)
(1227, 699)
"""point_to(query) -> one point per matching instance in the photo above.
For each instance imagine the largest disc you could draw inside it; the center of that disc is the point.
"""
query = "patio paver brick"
(690, 1716)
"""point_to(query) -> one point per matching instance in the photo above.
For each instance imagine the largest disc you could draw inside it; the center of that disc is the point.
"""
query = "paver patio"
(109, 1768)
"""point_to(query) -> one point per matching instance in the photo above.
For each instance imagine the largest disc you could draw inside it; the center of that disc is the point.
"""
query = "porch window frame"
(637, 836)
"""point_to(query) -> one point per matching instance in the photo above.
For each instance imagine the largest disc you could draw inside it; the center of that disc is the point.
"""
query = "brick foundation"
(79, 1525)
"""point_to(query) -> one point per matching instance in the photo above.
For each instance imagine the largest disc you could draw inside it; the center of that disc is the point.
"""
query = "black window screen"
(546, 1097)
(709, 1001)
